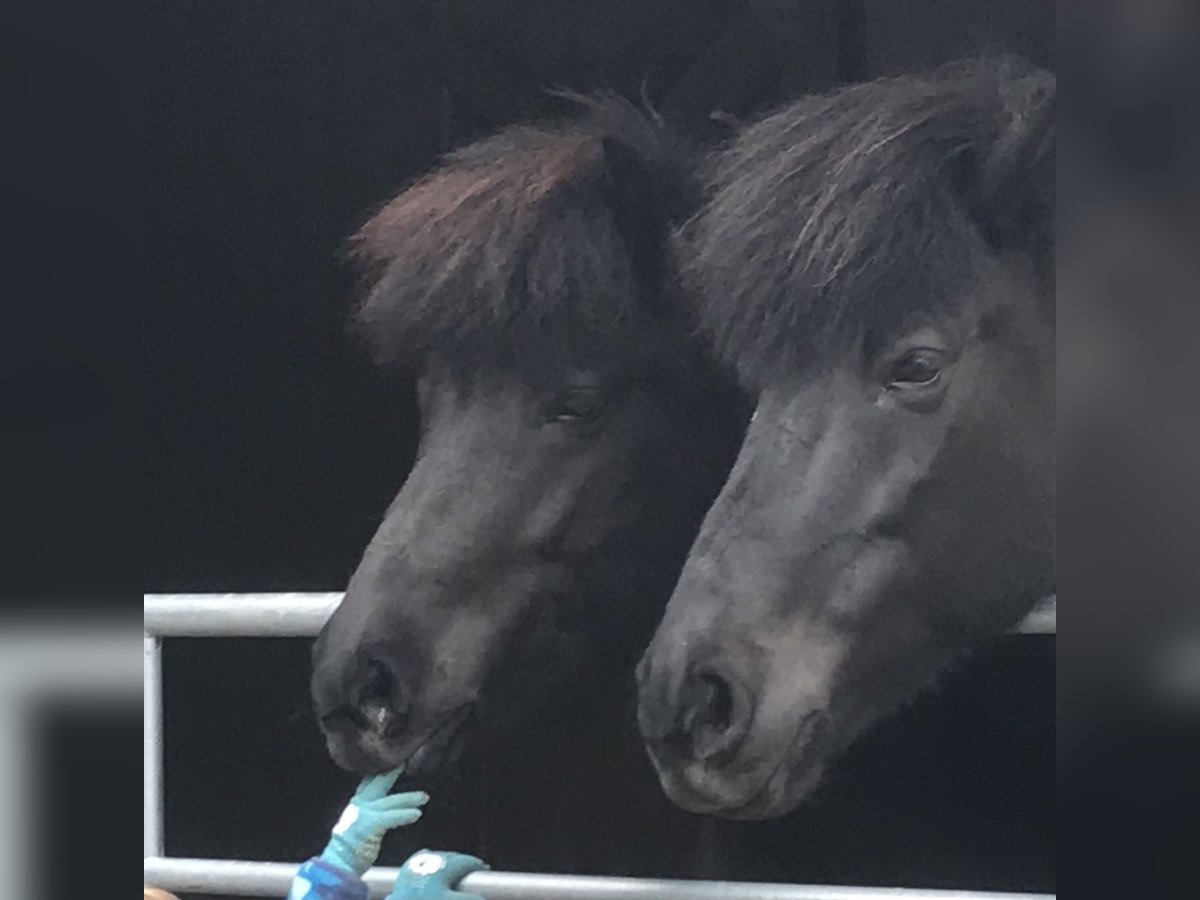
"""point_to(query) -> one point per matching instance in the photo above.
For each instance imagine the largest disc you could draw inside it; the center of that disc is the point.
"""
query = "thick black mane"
(842, 215)
(540, 240)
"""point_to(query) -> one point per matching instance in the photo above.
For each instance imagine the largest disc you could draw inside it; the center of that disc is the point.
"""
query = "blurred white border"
(47, 663)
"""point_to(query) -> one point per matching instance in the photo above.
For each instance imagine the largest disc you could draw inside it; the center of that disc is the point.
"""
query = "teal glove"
(433, 875)
(372, 811)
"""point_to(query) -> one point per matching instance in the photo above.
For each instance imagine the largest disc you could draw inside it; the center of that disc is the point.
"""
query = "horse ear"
(1016, 178)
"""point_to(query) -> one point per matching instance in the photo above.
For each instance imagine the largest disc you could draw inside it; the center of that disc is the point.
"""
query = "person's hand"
(372, 812)
(434, 875)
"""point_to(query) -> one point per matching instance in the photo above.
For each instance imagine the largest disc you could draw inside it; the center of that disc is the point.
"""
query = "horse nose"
(373, 698)
(381, 699)
(705, 719)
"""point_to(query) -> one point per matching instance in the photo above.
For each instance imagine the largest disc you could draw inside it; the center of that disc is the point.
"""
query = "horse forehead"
(546, 366)
(456, 405)
(796, 410)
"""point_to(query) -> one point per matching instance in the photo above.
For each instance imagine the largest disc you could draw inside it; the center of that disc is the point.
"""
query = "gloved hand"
(434, 875)
(354, 846)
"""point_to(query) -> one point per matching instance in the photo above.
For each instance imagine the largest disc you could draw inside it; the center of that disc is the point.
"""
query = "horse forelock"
(512, 246)
(843, 215)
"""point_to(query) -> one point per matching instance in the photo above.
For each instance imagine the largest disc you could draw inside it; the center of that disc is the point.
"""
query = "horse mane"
(840, 216)
(542, 239)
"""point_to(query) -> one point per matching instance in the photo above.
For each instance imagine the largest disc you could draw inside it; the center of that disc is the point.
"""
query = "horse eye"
(917, 368)
(577, 407)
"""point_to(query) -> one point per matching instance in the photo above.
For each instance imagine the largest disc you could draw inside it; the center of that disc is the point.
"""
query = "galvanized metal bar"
(268, 879)
(238, 615)
(302, 615)
(152, 746)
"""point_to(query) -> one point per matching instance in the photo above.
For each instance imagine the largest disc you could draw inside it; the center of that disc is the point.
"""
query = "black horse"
(573, 435)
(878, 265)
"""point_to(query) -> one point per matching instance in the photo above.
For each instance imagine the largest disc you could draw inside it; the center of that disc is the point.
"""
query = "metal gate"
(302, 615)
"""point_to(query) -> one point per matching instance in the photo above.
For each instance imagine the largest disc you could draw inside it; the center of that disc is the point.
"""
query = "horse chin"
(708, 793)
(775, 785)
(443, 747)
(350, 754)
(788, 791)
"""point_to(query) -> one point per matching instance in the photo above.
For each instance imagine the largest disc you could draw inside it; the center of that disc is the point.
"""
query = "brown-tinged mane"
(541, 238)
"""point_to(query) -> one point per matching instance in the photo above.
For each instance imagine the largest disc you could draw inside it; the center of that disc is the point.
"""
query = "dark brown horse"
(878, 264)
(573, 434)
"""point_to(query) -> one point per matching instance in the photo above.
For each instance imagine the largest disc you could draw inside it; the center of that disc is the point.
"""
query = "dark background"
(271, 448)
(276, 127)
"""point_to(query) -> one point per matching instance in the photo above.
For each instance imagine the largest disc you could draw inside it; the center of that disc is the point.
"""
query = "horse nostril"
(717, 701)
(382, 705)
(711, 720)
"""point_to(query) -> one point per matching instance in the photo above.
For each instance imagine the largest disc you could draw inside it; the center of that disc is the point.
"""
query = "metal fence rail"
(271, 879)
(302, 615)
